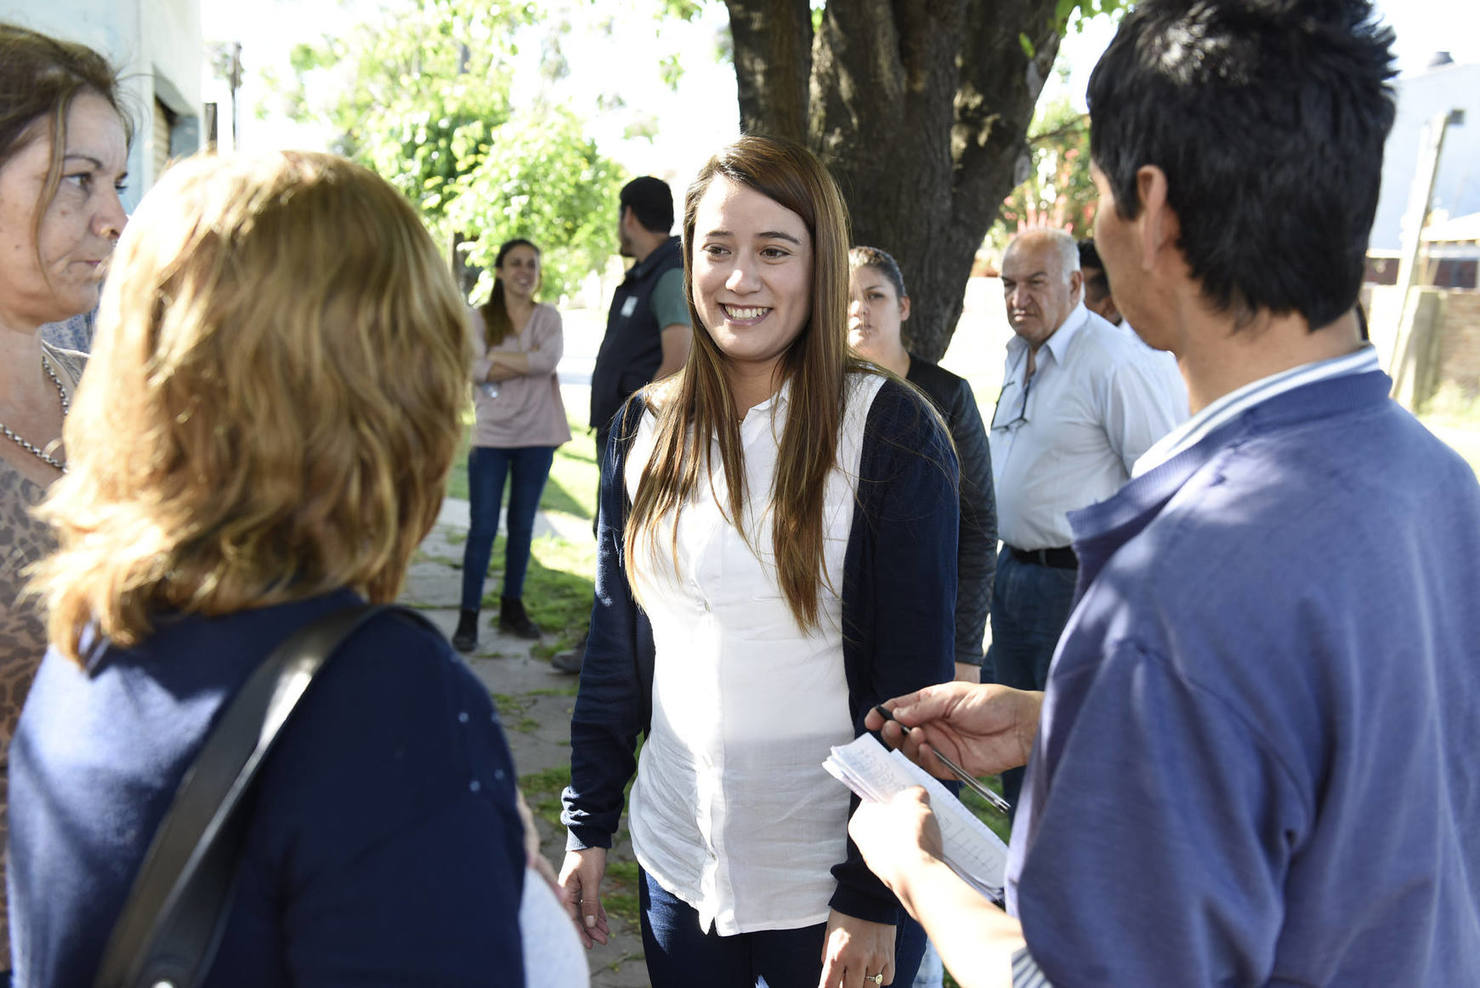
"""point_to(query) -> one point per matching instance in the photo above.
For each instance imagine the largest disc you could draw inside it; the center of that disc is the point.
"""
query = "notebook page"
(968, 845)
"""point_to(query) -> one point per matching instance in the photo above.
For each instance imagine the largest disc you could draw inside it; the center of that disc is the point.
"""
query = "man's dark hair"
(1268, 118)
(651, 201)
(1096, 283)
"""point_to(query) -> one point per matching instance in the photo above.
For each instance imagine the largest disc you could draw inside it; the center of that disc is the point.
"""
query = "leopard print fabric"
(23, 541)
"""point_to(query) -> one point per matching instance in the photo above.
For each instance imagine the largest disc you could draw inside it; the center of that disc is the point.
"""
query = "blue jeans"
(1030, 606)
(488, 466)
(680, 955)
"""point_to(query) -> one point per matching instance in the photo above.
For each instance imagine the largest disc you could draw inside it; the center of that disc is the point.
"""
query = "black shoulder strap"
(171, 923)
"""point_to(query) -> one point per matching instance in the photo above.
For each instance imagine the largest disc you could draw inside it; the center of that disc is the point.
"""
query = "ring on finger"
(877, 979)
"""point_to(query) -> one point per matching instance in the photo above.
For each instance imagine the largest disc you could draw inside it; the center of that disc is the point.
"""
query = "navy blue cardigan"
(899, 594)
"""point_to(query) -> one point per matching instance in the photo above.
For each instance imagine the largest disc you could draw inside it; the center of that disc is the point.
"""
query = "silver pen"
(993, 800)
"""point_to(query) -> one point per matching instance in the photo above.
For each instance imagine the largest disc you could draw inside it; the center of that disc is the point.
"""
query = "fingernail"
(590, 921)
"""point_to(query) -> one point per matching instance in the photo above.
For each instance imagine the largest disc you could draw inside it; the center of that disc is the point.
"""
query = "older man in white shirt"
(1080, 402)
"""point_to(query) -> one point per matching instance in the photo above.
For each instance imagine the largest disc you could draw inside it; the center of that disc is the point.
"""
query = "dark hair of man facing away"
(651, 201)
(1268, 118)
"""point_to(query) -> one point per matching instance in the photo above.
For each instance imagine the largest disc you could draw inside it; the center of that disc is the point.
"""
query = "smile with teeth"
(745, 313)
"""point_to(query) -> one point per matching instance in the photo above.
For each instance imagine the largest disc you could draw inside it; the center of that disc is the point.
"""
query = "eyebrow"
(763, 235)
(96, 163)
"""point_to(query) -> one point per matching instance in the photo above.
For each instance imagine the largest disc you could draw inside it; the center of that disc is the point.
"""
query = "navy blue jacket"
(385, 848)
(899, 593)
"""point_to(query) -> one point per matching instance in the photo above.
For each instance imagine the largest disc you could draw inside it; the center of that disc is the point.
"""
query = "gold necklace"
(66, 407)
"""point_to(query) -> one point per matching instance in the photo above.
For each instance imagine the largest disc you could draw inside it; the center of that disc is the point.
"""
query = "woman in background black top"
(877, 309)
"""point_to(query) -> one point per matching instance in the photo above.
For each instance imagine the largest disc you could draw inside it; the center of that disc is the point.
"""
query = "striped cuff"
(1026, 972)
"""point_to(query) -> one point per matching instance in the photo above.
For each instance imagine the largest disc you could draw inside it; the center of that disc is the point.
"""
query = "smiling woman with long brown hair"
(788, 555)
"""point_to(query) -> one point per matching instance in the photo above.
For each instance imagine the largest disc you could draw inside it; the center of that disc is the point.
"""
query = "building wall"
(1459, 343)
(157, 46)
(1457, 185)
(1443, 350)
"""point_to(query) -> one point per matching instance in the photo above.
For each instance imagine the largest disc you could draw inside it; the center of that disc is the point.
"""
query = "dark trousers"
(1030, 606)
(488, 468)
(681, 955)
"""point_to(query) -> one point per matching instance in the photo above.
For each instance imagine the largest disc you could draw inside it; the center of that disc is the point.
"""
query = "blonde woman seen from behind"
(263, 439)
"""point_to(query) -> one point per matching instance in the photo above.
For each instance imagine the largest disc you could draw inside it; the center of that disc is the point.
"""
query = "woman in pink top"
(520, 421)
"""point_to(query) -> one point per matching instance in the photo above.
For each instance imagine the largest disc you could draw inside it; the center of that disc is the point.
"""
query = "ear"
(1076, 287)
(904, 309)
(1160, 227)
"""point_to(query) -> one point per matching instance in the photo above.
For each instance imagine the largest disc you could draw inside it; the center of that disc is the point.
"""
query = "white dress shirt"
(732, 811)
(1068, 437)
(1164, 365)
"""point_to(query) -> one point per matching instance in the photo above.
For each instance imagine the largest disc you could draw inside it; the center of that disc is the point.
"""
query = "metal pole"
(1420, 197)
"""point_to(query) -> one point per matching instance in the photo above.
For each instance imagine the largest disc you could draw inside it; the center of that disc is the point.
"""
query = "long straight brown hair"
(696, 406)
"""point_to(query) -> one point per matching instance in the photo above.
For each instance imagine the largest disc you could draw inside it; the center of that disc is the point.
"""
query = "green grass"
(542, 792)
(996, 822)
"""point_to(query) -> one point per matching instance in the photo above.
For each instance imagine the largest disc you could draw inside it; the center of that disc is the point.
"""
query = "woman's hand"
(580, 890)
(855, 952)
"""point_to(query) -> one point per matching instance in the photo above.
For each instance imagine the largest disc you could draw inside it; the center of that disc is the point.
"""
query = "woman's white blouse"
(732, 811)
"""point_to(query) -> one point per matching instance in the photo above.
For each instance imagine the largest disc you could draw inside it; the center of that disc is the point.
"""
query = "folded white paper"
(877, 774)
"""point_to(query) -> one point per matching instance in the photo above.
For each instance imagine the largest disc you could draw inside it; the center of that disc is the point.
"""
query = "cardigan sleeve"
(899, 587)
(976, 558)
(613, 702)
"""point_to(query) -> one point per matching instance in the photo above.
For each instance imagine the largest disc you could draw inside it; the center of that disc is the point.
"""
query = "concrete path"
(534, 703)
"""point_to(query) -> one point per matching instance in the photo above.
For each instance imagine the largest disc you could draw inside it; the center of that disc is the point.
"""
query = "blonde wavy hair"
(695, 404)
(272, 406)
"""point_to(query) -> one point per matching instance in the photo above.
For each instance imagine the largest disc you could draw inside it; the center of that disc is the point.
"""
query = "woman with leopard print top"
(63, 152)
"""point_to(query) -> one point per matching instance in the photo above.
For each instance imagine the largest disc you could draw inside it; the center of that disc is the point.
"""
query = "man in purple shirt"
(1254, 760)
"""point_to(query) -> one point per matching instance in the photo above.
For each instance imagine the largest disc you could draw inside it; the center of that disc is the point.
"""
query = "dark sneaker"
(570, 661)
(465, 638)
(513, 619)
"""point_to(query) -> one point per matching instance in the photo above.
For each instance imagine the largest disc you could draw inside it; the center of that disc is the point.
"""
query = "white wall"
(1457, 186)
(157, 46)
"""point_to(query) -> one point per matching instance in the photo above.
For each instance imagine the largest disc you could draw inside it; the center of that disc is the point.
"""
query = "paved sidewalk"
(534, 703)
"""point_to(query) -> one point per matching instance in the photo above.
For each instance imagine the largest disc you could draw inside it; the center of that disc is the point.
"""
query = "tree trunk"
(921, 111)
(773, 63)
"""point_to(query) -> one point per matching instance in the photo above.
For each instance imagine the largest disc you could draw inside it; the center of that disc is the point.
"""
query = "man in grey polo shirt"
(1080, 402)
